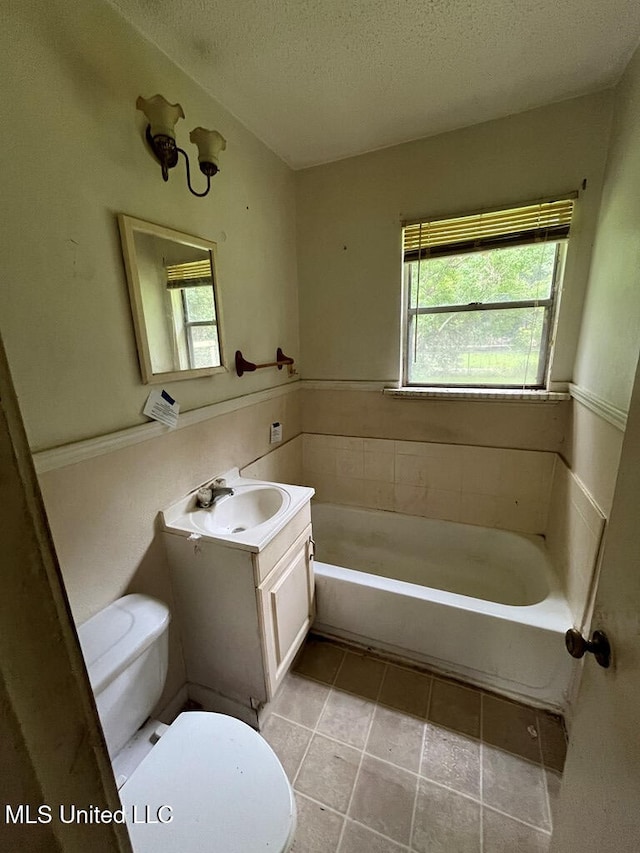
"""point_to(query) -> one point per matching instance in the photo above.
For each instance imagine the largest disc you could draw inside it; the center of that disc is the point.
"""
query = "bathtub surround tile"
(351, 491)
(383, 799)
(552, 740)
(378, 466)
(522, 514)
(350, 463)
(321, 460)
(514, 786)
(446, 822)
(502, 834)
(378, 445)
(494, 487)
(481, 470)
(328, 772)
(406, 690)
(324, 485)
(361, 674)
(378, 495)
(478, 509)
(408, 470)
(320, 660)
(455, 707)
(428, 448)
(411, 500)
(451, 759)
(318, 829)
(396, 737)
(359, 839)
(301, 700)
(346, 718)
(443, 505)
(288, 740)
(510, 726)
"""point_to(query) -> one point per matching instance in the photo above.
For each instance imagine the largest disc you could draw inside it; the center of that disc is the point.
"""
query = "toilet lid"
(210, 785)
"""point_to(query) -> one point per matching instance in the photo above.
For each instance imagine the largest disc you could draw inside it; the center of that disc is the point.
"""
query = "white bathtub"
(480, 603)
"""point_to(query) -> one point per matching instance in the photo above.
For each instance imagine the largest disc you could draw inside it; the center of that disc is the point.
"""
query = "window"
(480, 295)
(194, 314)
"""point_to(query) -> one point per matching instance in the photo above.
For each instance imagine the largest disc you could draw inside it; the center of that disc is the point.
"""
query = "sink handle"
(204, 497)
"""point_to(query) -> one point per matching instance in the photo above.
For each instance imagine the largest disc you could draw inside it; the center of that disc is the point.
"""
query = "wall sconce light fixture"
(162, 117)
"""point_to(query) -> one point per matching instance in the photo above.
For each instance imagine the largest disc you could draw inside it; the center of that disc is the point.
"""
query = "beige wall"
(103, 512)
(574, 535)
(610, 337)
(593, 447)
(51, 749)
(77, 159)
(606, 359)
(77, 153)
(489, 423)
(349, 236)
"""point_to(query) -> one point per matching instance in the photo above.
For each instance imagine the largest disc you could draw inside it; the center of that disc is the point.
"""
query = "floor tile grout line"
(352, 820)
(376, 832)
(362, 754)
(483, 746)
(386, 761)
(400, 766)
(419, 775)
(422, 742)
(517, 819)
(315, 729)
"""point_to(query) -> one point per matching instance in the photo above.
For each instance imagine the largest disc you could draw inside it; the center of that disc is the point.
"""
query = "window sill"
(504, 395)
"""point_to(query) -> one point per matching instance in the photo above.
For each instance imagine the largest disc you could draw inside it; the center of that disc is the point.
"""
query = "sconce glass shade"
(210, 143)
(162, 115)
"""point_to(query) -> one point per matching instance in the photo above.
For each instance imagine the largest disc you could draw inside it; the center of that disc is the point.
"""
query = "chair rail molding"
(614, 415)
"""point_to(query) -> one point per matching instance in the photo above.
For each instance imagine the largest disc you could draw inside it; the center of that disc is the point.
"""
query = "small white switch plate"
(276, 433)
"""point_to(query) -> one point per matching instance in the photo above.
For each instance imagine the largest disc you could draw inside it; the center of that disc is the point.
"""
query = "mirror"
(172, 286)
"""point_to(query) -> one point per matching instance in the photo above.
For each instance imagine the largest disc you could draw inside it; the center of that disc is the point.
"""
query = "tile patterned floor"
(385, 759)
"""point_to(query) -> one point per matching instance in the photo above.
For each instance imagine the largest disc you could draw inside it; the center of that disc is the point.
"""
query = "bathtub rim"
(552, 613)
(554, 603)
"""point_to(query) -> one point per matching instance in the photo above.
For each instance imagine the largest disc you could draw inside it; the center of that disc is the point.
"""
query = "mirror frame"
(128, 225)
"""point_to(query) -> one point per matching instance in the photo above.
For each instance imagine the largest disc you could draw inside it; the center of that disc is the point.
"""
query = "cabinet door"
(286, 603)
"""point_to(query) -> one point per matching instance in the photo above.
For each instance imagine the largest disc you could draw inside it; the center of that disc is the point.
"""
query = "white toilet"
(208, 782)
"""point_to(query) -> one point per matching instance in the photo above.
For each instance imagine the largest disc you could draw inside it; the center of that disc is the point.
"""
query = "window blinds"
(545, 221)
(193, 274)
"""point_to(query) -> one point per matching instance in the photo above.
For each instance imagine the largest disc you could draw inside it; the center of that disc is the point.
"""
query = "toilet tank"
(125, 647)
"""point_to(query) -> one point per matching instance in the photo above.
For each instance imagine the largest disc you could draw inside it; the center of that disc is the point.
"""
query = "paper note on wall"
(161, 407)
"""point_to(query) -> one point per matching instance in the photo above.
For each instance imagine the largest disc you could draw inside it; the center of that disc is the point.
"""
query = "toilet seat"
(224, 786)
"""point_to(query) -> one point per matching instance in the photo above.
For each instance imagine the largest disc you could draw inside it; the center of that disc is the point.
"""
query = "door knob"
(599, 646)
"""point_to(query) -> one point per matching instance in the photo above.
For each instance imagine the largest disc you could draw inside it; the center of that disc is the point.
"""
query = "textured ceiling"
(318, 80)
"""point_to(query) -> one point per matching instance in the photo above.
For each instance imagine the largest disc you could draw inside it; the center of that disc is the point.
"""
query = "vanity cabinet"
(242, 614)
(285, 602)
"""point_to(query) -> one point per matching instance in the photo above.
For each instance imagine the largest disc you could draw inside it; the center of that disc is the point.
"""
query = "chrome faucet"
(207, 496)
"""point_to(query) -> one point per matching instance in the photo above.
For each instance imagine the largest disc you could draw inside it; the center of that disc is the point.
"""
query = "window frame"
(550, 304)
(188, 326)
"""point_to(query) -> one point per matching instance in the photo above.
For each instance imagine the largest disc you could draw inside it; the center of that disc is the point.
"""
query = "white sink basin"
(246, 508)
(248, 519)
